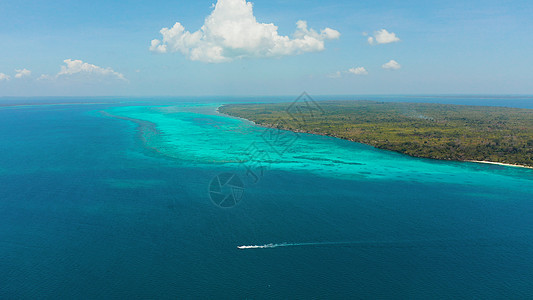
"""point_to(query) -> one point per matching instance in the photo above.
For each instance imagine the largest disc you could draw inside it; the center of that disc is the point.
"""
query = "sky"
(275, 47)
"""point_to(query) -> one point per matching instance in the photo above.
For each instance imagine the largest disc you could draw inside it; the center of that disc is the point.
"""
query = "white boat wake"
(397, 243)
(267, 246)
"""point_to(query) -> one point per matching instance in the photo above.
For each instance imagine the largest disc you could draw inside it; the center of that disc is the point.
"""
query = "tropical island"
(438, 131)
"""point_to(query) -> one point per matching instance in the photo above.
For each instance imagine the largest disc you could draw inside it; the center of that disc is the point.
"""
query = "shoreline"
(321, 134)
(235, 117)
(498, 163)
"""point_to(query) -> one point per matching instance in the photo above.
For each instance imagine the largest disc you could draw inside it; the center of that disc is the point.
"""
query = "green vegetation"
(449, 132)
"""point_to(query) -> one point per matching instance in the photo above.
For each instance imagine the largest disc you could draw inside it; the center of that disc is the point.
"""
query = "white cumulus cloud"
(232, 32)
(337, 74)
(383, 37)
(353, 71)
(392, 65)
(73, 67)
(45, 77)
(77, 69)
(4, 77)
(22, 73)
(358, 71)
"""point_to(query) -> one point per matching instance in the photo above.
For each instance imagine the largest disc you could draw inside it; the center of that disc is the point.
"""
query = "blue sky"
(93, 48)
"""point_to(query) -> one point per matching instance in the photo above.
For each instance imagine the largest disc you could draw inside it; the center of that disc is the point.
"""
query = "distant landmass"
(438, 131)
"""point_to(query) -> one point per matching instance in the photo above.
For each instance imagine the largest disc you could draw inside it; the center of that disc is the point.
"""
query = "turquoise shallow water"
(117, 205)
(197, 133)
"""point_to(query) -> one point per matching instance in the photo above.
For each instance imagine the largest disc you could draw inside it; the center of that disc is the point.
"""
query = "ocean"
(166, 198)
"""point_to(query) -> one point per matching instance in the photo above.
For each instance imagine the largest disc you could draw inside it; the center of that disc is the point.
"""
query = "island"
(500, 135)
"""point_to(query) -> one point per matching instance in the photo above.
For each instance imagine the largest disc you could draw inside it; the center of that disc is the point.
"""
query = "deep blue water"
(87, 211)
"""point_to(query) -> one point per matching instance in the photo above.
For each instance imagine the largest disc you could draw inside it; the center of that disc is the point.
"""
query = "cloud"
(4, 77)
(353, 71)
(232, 32)
(383, 37)
(45, 77)
(22, 73)
(358, 71)
(392, 65)
(337, 74)
(79, 67)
